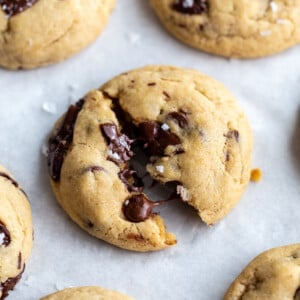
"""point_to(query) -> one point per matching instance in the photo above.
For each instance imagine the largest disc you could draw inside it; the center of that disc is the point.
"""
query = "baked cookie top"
(273, 275)
(188, 124)
(86, 293)
(233, 28)
(16, 233)
(34, 33)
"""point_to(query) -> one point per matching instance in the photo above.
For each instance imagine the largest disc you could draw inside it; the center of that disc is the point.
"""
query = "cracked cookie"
(192, 131)
(233, 28)
(86, 293)
(16, 232)
(35, 33)
(273, 275)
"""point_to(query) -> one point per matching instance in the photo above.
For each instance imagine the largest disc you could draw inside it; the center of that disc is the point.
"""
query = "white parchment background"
(206, 260)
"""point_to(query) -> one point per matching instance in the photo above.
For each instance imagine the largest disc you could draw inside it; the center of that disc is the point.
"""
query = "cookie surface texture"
(273, 275)
(196, 135)
(233, 28)
(86, 293)
(16, 232)
(35, 33)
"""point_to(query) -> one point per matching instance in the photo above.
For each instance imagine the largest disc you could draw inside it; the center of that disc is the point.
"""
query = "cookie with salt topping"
(196, 137)
(232, 28)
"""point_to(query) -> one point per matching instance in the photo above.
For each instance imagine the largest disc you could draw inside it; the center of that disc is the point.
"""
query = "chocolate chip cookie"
(273, 275)
(34, 33)
(16, 232)
(86, 293)
(188, 125)
(233, 28)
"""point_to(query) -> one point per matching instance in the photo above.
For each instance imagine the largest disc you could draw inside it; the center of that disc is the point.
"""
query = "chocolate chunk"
(191, 7)
(131, 180)
(60, 142)
(180, 117)
(155, 138)
(6, 239)
(9, 284)
(90, 224)
(14, 7)
(119, 144)
(138, 208)
(151, 84)
(233, 134)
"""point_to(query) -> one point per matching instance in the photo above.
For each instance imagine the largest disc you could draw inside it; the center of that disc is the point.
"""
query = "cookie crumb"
(256, 175)
(182, 192)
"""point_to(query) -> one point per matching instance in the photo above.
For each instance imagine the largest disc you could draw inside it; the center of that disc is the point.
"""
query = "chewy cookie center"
(14, 7)
(152, 138)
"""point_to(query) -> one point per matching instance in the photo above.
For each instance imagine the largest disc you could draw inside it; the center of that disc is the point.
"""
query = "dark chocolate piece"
(6, 239)
(155, 138)
(191, 7)
(151, 84)
(179, 117)
(233, 134)
(14, 7)
(90, 224)
(131, 180)
(60, 142)
(138, 208)
(119, 144)
(9, 284)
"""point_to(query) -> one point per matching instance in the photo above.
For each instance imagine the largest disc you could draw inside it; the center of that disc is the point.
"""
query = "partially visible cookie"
(233, 28)
(190, 127)
(273, 275)
(35, 33)
(16, 232)
(86, 293)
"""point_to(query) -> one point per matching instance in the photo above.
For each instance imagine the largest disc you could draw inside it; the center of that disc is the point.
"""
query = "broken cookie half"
(190, 128)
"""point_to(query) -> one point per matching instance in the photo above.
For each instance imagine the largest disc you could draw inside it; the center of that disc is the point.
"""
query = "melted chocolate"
(14, 7)
(191, 7)
(60, 142)
(9, 284)
(131, 180)
(156, 140)
(138, 208)
(119, 144)
(7, 239)
(180, 117)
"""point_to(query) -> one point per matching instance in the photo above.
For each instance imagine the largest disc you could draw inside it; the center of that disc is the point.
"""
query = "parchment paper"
(206, 259)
